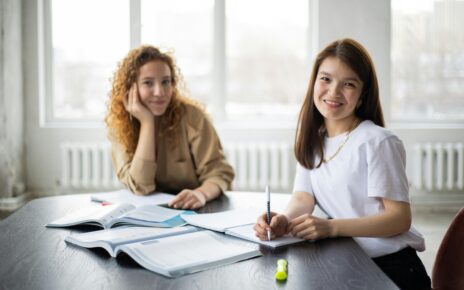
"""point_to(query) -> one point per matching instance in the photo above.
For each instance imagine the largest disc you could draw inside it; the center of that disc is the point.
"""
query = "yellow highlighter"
(281, 273)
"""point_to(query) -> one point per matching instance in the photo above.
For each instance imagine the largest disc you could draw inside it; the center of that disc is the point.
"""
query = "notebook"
(238, 223)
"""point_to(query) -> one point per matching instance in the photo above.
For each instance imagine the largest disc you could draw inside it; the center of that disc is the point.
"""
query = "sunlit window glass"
(267, 58)
(186, 28)
(88, 38)
(427, 60)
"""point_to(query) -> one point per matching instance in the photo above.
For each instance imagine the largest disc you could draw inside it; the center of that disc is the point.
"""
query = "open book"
(238, 223)
(171, 252)
(123, 214)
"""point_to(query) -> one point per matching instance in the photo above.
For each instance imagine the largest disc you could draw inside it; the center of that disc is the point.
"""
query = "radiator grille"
(256, 164)
(439, 166)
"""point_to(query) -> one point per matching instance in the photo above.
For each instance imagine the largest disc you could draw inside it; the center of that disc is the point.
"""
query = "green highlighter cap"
(281, 273)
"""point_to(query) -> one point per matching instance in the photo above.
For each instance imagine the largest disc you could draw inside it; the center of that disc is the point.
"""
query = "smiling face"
(155, 86)
(337, 90)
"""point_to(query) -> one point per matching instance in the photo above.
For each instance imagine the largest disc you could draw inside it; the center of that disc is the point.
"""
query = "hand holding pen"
(278, 226)
(268, 211)
(270, 224)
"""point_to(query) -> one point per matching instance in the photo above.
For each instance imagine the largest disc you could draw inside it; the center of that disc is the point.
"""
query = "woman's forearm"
(300, 203)
(146, 143)
(394, 220)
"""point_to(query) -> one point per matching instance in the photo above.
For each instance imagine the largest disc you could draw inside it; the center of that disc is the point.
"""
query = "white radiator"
(87, 166)
(439, 166)
(256, 164)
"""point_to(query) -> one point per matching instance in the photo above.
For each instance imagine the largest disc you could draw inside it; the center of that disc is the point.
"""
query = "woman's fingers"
(309, 227)
(296, 222)
(179, 200)
(190, 202)
(277, 226)
(260, 228)
(188, 199)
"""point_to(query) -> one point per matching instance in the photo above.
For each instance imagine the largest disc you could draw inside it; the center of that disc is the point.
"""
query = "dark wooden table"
(35, 257)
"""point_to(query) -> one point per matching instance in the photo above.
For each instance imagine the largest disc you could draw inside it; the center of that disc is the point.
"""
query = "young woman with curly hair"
(161, 140)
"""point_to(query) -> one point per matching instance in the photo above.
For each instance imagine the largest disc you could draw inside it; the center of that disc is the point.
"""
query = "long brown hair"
(121, 127)
(310, 131)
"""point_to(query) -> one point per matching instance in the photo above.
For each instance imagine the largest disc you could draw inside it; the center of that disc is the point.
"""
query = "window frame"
(217, 105)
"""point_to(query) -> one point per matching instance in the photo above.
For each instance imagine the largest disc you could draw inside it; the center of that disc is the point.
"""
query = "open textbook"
(171, 252)
(108, 216)
(238, 223)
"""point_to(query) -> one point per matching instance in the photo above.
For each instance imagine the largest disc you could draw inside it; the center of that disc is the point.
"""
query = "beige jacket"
(197, 158)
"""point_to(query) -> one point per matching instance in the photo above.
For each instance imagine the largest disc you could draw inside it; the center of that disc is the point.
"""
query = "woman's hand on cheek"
(135, 107)
(311, 228)
(188, 199)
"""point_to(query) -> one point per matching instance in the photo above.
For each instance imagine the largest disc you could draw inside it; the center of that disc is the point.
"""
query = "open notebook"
(171, 252)
(123, 214)
(238, 223)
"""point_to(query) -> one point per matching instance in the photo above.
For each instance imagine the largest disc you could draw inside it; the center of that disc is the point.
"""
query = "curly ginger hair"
(124, 129)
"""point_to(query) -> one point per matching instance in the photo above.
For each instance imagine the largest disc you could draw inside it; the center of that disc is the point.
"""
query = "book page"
(220, 221)
(95, 214)
(123, 235)
(125, 196)
(187, 253)
(248, 233)
(153, 213)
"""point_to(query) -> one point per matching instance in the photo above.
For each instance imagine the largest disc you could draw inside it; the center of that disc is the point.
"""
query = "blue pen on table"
(268, 211)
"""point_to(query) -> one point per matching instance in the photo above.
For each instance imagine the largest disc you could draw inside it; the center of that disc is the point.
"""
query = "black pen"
(268, 212)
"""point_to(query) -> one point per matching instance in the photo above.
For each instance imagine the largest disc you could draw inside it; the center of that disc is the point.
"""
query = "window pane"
(186, 28)
(88, 41)
(267, 58)
(427, 60)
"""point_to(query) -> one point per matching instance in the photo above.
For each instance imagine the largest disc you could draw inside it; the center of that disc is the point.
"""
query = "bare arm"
(299, 204)
(395, 219)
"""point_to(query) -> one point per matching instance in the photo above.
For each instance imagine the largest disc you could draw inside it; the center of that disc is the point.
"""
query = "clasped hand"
(306, 227)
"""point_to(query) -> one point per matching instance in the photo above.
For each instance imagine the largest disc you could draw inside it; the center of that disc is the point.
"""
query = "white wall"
(11, 100)
(365, 20)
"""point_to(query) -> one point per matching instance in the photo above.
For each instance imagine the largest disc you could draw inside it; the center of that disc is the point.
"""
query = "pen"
(268, 211)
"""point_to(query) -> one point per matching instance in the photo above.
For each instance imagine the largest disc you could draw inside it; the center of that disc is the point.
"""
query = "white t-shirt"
(370, 166)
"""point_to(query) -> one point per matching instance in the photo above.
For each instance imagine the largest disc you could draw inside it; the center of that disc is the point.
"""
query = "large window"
(427, 60)
(84, 53)
(184, 27)
(266, 58)
(262, 46)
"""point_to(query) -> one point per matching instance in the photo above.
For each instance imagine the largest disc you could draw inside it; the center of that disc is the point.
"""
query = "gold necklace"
(353, 126)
